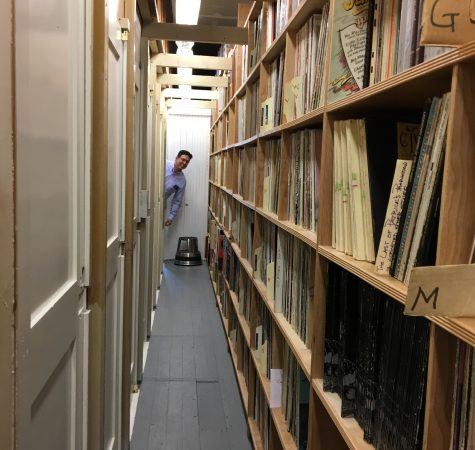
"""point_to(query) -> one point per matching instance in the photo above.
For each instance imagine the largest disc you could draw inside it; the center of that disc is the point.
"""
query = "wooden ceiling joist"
(198, 94)
(193, 62)
(195, 33)
(192, 80)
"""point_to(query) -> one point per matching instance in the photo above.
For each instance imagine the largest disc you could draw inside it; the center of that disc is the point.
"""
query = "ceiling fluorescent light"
(187, 11)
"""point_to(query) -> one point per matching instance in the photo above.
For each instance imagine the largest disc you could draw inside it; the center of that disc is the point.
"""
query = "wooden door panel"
(51, 78)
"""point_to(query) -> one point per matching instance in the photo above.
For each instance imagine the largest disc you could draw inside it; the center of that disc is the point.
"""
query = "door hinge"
(124, 28)
(81, 282)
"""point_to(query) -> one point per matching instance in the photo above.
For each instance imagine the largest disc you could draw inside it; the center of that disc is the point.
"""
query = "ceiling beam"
(188, 104)
(192, 80)
(194, 62)
(200, 94)
(195, 33)
(148, 14)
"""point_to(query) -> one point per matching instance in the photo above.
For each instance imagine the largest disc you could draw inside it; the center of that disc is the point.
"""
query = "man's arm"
(176, 204)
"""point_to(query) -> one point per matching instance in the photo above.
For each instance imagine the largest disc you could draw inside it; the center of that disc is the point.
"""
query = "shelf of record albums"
(411, 87)
(349, 428)
(214, 184)
(301, 352)
(462, 327)
(224, 149)
(249, 141)
(253, 429)
(246, 331)
(227, 190)
(246, 203)
(277, 414)
(225, 109)
(307, 236)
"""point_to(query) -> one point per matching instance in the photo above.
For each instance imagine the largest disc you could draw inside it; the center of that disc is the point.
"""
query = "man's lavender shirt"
(175, 183)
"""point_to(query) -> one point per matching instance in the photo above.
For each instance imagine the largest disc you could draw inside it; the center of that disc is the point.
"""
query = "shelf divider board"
(325, 196)
(232, 123)
(318, 316)
(259, 176)
(439, 391)
(289, 66)
(282, 212)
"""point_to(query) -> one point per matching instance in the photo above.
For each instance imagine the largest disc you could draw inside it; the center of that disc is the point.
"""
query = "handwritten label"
(393, 216)
(353, 41)
(442, 291)
(448, 22)
(407, 135)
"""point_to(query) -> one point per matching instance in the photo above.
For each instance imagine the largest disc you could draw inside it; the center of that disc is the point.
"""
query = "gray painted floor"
(189, 398)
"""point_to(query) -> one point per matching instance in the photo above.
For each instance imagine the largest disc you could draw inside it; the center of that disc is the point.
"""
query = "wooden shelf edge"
(270, 133)
(255, 434)
(349, 428)
(313, 116)
(246, 203)
(458, 327)
(249, 141)
(462, 328)
(306, 236)
(299, 349)
(424, 69)
(365, 271)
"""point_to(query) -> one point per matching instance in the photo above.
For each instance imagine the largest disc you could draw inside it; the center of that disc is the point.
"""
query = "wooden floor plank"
(189, 399)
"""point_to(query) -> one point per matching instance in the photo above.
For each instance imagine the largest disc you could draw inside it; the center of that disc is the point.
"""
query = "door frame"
(7, 235)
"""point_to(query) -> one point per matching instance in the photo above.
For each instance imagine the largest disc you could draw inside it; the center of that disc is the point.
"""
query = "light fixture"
(187, 11)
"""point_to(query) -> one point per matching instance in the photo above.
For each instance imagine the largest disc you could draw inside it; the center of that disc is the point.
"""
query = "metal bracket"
(124, 28)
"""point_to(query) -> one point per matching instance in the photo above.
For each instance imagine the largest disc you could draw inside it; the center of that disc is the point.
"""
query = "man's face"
(181, 162)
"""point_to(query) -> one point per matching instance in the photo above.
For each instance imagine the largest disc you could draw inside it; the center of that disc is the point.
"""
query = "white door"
(115, 229)
(50, 77)
(189, 132)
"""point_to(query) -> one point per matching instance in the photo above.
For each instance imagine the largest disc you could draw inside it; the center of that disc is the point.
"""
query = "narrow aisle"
(189, 398)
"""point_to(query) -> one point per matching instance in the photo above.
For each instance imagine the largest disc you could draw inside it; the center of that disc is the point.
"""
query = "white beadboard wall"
(189, 132)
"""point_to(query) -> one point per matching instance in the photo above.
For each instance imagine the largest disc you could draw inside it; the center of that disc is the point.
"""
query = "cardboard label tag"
(442, 291)
(448, 22)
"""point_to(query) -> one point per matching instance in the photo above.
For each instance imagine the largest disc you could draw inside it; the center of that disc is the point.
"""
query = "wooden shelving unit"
(453, 71)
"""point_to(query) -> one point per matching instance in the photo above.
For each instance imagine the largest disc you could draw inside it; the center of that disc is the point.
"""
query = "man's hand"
(168, 222)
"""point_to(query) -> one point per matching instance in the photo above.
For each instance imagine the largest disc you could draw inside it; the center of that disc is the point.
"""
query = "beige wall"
(7, 237)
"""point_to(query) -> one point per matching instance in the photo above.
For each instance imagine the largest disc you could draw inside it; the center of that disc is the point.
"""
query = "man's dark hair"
(184, 152)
